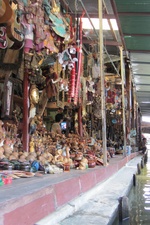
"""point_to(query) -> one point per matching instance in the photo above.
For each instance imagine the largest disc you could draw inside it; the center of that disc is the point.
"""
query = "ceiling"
(133, 18)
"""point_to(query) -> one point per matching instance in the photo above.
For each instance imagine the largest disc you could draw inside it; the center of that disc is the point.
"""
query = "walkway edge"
(73, 206)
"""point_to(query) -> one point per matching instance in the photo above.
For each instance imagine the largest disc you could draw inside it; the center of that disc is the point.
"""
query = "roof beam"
(138, 51)
(140, 84)
(106, 42)
(118, 23)
(133, 34)
(144, 75)
(134, 13)
(110, 25)
(139, 62)
(112, 43)
(94, 15)
(144, 92)
(109, 16)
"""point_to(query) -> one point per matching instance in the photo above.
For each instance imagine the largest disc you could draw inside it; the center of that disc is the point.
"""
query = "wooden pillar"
(134, 108)
(128, 111)
(103, 108)
(25, 112)
(123, 100)
(79, 69)
(80, 130)
(130, 100)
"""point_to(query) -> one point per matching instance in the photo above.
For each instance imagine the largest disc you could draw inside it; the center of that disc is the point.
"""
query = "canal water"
(139, 199)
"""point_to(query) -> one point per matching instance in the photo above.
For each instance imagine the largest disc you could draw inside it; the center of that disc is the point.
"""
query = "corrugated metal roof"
(134, 17)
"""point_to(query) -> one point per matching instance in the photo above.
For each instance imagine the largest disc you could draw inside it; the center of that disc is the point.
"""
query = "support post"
(80, 121)
(123, 100)
(123, 208)
(138, 169)
(25, 112)
(103, 108)
(134, 180)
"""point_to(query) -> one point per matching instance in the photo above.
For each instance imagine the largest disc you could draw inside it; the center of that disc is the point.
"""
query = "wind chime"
(75, 76)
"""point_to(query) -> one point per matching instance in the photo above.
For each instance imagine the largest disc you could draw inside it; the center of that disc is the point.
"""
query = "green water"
(139, 199)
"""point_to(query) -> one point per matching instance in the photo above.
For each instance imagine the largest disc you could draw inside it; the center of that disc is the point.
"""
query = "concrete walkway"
(99, 205)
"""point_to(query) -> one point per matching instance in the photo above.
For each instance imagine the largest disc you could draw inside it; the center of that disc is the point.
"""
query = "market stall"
(44, 67)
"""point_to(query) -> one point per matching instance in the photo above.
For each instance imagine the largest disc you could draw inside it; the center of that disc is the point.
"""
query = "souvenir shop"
(45, 70)
(52, 105)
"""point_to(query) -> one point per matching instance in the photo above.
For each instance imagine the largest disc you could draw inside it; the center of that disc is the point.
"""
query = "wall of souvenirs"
(43, 66)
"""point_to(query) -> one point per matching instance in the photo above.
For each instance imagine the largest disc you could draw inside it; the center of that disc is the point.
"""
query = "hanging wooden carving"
(60, 25)
(3, 38)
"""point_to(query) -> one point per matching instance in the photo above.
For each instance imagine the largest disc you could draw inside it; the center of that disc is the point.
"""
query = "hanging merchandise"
(96, 71)
(48, 42)
(34, 95)
(97, 107)
(90, 89)
(72, 85)
(51, 80)
(89, 124)
(133, 133)
(3, 38)
(66, 58)
(60, 25)
(95, 67)
(79, 47)
(114, 121)
(84, 95)
(49, 60)
(3, 10)
(11, 29)
(110, 96)
(14, 31)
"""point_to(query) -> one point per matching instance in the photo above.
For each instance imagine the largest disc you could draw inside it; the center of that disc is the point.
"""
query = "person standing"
(143, 147)
(56, 128)
(60, 114)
